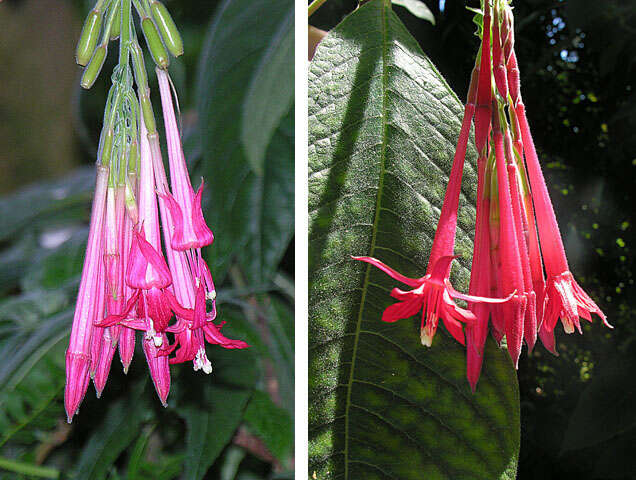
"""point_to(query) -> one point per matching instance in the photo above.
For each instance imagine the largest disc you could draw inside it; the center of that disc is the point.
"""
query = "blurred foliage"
(235, 424)
(577, 71)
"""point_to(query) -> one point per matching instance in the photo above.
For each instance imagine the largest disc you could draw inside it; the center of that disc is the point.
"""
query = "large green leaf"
(118, 429)
(417, 8)
(383, 126)
(236, 43)
(271, 90)
(213, 406)
(47, 203)
(272, 424)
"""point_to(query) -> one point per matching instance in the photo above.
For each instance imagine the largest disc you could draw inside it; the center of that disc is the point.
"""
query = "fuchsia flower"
(185, 233)
(433, 293)
(518, 250)
(87, 308)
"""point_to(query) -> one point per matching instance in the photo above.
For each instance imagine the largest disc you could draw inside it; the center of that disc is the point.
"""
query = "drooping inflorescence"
(127, 284)
(520, 279)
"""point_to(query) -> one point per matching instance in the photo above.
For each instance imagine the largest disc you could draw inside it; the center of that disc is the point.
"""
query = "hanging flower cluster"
(520, 278)
(127, 284)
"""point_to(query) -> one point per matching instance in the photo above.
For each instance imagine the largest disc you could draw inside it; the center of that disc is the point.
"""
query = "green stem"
(28, 469)
(315, 5)
(124, 39)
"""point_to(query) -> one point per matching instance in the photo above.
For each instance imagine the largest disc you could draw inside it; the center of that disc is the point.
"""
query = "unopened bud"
(155, 45)
(105, 147)
(88, 38)
(167, 27)
(115, 29)
(94, 67)
(149, 117)
(134, 158)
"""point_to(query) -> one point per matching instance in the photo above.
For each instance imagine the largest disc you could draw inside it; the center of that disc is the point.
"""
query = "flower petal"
(412, 282)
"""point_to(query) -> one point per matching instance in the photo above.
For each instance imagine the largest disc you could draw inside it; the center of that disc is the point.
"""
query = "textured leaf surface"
(235, 44)
(383, 126)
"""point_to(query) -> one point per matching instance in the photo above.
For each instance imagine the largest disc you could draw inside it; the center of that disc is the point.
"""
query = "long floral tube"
(78, 359)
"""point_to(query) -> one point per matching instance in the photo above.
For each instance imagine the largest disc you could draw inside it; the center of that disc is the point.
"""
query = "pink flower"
(185, 232)
(433, 294)
(190, 229)
(87, 311)
(565, 299)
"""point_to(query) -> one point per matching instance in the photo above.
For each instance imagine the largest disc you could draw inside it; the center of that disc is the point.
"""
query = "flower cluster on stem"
(127, 285)
(520, 281)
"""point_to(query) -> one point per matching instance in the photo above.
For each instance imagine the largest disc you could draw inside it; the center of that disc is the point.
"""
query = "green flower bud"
(88, 38)
(167, 27)
(155, 45)
(105, 147)
(115, 29)
(94, 67)
(134, 158)
(139, 67)
(149, 116)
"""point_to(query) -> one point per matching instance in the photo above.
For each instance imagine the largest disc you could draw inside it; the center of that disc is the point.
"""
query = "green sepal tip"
(88, 38)
(94, 67)
(167, 28)
(155, 45)
(115, 30)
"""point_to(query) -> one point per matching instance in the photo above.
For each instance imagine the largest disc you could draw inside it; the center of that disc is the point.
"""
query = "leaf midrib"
(373, 237)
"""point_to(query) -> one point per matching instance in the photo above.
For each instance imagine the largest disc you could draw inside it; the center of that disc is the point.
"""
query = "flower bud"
(88, 38)
(155, 45)
(116, 27)
(94, 67)
(167, 27)
(149, 117)
(105, 146)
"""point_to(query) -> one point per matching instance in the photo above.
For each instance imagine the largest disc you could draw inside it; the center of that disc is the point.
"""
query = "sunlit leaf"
(383, 127)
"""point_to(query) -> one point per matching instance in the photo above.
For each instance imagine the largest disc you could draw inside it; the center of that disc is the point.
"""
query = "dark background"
(577, 65)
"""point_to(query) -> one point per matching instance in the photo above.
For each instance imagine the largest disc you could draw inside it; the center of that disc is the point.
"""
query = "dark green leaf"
(55, 266)
(272, 424)
(235, 44)
(118, 430)
(417, 8)
(607, 406)
(47, 203)
(383, 127)
(135, 460)
(212, 406)
(271, 90)
(280, 341)
(271, 223)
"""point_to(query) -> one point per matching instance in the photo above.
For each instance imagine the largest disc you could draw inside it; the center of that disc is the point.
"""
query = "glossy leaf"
(383, 127)
(235, 45)
(417, 8)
